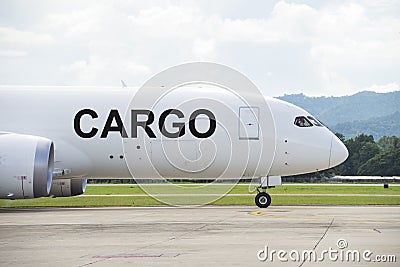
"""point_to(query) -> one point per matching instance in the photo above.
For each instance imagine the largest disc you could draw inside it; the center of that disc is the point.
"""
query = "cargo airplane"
(53, 138)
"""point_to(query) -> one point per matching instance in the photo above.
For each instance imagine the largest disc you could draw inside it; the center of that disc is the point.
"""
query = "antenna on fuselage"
(123, 83)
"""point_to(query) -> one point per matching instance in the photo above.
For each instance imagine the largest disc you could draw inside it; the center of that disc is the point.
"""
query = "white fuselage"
(248, 141)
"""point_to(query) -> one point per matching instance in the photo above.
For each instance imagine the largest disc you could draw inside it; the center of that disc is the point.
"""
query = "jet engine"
(26, 166)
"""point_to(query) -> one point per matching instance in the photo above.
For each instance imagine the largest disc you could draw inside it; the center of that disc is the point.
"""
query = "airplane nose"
(338, 152)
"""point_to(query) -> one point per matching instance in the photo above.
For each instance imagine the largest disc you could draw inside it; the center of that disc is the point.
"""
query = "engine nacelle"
(26, 166)
(68, 187)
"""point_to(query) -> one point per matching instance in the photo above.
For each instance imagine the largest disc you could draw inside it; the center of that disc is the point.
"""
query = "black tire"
(263, 200)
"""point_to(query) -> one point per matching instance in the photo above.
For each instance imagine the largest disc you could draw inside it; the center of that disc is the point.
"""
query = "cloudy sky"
(313, 47)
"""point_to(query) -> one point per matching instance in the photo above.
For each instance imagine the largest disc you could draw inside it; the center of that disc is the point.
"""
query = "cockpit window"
(302, 122)
(315, 121)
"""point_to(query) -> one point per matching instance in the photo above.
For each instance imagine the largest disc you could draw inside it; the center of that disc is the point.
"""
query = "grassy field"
(241, 189)
(116, 196)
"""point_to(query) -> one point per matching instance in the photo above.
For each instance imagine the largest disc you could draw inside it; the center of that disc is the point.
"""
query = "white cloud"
(13, 36)
(136, 69)
(324, 48)
(75, 66)
(12, 53)
(84, 22)
(203, 49)
(88, 73)
(170, 22)
(385, 88)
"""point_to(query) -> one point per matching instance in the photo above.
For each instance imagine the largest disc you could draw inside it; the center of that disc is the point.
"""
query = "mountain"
(365, 112)
(378, 127)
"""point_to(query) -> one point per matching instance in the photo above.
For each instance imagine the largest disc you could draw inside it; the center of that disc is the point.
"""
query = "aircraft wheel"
(263, 200)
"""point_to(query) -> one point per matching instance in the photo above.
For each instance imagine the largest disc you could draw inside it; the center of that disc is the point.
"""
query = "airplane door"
(248, 123)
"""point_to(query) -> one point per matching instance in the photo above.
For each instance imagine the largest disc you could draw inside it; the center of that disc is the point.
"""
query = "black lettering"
(144, 124)
(115, 118)
(77, 123)
(109, 128)
(192, 123)
(180, 125)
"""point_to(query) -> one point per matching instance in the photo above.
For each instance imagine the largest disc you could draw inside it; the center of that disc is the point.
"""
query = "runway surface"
(242, 195)
(207, 236)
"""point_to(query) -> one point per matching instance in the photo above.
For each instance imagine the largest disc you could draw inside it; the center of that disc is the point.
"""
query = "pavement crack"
(319, 240)
(177, 237)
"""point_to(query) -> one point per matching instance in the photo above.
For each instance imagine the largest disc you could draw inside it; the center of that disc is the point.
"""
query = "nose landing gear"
(263, 199)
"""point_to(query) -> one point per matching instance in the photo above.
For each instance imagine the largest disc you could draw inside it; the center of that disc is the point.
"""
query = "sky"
(318, 48)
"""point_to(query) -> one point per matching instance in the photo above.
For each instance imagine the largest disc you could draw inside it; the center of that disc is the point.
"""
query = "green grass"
(379, 190)
(312, 200)
(115, 200)
(80, 202)
(241, 189)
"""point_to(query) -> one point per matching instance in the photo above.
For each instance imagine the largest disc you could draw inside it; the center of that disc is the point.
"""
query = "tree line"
(370, 158)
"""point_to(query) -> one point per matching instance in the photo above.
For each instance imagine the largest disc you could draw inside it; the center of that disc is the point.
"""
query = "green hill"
(361, 106)
(378, 127)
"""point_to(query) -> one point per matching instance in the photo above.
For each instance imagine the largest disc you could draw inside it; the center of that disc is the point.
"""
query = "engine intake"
(26, 166)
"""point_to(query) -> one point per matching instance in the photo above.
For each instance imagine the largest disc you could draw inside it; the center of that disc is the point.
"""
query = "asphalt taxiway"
(206, 236)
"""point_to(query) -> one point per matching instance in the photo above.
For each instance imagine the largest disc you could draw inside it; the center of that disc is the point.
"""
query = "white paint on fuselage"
(49, 112)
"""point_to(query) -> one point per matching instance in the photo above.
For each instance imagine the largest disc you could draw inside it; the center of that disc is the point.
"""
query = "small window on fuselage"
(302, 121)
